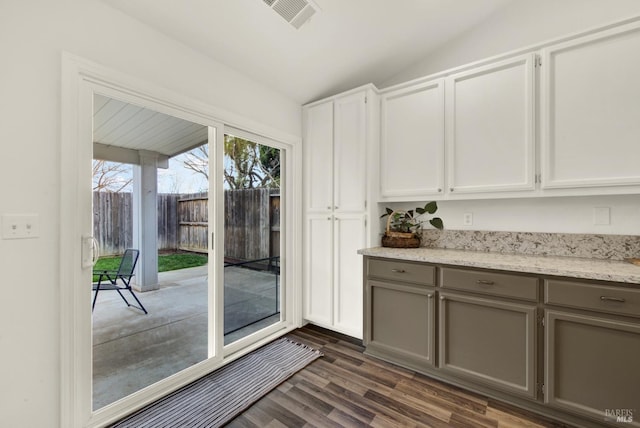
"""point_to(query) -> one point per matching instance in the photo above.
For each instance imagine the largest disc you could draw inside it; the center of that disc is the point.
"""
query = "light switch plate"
(20, 226)
(602, 216)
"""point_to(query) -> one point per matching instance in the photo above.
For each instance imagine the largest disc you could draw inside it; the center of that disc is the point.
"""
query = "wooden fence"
(247, 227)
(113, 222)
(168, 221)
(252, 223)
(193, 218)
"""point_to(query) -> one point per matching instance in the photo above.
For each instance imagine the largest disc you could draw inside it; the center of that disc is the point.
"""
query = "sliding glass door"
(118, 357)
(153, 206)
(252, 247)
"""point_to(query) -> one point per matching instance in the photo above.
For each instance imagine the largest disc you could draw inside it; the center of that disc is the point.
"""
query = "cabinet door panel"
(590, 108)
(318, 147)
(350, 153)
(586, 356)
(490, 342)
(349, 237)
(412, 155)
(401, 322)
(490, 127)
(319, 269)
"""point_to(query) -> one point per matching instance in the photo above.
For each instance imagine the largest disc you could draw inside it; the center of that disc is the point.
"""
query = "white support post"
(145, 221)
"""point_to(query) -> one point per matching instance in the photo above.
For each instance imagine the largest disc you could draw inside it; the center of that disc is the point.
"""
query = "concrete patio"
(132, 350)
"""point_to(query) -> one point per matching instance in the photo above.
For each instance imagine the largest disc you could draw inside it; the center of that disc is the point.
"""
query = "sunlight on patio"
(132, 350)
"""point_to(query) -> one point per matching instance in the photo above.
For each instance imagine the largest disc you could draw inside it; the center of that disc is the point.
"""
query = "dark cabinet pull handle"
(398, 270)
(612, 299)
(484, 282)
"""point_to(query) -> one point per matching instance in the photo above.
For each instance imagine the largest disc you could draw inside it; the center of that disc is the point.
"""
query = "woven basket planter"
(393, 242)
(399, 239)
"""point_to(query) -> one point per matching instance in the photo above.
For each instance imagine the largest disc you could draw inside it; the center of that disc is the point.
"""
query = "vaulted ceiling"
(346, 44)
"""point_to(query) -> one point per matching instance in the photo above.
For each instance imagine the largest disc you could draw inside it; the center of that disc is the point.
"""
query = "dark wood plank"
(284, 415)
(382, 412)
(447, 399)
(304, 398)
(338, 402)
(255, 415)
(407, 410)
(345, 419)
(335, 354)
(455, 405)
(513, 416)
(346, 376)
(316, 415)
(242, 422)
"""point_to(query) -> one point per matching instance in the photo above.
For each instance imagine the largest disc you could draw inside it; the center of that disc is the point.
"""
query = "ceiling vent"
(295, 12)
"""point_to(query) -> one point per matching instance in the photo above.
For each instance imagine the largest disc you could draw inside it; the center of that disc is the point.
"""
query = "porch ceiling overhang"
(122, 130)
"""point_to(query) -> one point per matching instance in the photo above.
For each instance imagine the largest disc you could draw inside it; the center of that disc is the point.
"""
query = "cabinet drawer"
(496, 284)
(417, 273)
(595, 297)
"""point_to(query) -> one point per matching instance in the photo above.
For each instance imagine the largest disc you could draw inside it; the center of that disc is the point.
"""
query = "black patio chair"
(124, 274)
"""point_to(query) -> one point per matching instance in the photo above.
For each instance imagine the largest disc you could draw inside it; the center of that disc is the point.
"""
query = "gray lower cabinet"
(400, 312)
(488, 341)
(592, 350)
(592, 366)
(483, 329)
(401, 323)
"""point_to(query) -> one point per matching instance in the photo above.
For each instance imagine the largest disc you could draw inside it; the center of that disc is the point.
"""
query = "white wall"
(521, 24)
(552, 215)
(33, 34)
(518, 25)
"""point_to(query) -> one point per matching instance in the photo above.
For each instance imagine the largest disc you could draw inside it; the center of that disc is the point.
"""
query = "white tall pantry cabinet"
(338, 136)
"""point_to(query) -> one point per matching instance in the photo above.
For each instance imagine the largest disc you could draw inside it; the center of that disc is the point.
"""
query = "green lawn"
(166, 262)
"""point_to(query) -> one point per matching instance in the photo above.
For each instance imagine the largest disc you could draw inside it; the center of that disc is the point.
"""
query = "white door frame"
(80, 80)
(287, 288)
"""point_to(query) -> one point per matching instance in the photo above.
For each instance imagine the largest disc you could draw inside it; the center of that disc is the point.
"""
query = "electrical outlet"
(18, 226)
(467, 219)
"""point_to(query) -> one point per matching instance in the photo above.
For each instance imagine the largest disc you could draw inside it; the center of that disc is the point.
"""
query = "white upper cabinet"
(350, 153)
(412, 141)
(473, 132)
(490, 127)
(336, 154)
(590, 96)
(319, 157)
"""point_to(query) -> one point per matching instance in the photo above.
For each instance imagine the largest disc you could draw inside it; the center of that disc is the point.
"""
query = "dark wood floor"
(346, 388)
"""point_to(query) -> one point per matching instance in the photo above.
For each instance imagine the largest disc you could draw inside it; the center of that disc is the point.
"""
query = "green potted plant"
(404, 228)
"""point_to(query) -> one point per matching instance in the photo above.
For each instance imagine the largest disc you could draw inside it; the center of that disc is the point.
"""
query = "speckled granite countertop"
(604, 270)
